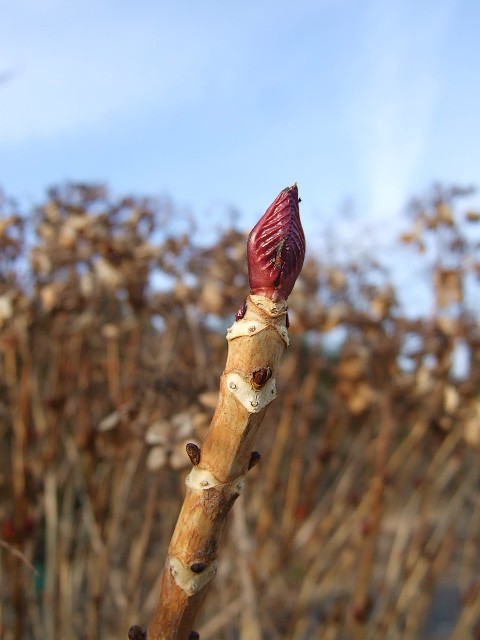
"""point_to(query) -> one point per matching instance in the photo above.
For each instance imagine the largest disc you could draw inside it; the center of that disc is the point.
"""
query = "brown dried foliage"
(364, 508)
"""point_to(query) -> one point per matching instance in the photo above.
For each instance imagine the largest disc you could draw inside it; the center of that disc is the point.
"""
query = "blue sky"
(215, 104)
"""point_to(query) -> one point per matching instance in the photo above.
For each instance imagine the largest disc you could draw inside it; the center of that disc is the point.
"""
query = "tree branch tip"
(256, 341)
(276, 247)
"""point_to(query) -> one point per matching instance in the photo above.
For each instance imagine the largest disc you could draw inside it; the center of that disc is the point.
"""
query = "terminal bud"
(276, 248)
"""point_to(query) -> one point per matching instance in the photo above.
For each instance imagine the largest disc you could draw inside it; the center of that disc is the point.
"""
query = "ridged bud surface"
(276, 248)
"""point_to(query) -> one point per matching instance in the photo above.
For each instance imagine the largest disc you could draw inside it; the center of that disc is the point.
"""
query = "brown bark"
(255, 345)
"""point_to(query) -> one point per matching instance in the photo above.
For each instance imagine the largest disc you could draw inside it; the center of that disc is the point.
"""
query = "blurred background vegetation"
(361, 520)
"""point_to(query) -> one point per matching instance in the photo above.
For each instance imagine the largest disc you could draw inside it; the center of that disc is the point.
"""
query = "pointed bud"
(193, 452)
(254, 459)
(276, 248)
(260, 377)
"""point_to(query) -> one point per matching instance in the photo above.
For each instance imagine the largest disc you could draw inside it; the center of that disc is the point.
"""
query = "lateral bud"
(136, 633)
(186, 579)
(260, 377)
(254, 459)
(193, 452)
(242, 310)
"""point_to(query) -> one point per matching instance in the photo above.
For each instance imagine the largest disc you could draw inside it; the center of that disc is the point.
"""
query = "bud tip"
(276, 247)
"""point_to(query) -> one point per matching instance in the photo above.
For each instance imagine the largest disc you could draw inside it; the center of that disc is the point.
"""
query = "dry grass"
(364, 508)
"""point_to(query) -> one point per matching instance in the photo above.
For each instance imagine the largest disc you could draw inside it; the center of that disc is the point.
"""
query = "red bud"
(276, 248)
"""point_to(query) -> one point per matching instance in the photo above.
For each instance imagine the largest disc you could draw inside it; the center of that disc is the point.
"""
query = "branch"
(256, 342)
(18, 554)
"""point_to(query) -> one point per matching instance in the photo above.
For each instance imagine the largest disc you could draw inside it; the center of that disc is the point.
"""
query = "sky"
(221, 104)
